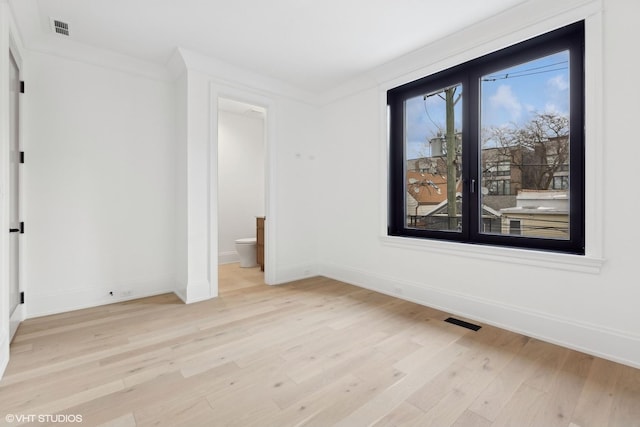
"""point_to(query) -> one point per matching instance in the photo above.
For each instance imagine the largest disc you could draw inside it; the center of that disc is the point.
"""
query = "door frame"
(268, 105)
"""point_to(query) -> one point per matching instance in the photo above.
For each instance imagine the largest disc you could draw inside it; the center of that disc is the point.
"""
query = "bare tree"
(539, 149)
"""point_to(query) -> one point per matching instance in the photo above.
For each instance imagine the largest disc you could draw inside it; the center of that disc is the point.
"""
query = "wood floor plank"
(521, 408)
(562, 397)
(491, 401)
(355, 396)
(316, 352)
(626, 397)
(126, 420)
(402, 415)
(471, 419)
(381, 408)
(473, 373)
(596, 399)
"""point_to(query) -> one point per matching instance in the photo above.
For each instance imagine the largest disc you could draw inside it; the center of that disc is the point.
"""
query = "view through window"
(491, 151)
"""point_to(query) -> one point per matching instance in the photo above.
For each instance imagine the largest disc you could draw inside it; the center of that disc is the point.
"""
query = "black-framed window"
(514, 117)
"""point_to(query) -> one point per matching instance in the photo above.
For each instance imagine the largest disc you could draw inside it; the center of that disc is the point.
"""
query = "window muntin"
(489, 177)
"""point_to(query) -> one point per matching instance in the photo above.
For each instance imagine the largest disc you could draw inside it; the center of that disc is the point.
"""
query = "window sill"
(559, 261)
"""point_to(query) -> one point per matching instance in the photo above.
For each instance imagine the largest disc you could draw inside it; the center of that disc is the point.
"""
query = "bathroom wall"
(241, 175)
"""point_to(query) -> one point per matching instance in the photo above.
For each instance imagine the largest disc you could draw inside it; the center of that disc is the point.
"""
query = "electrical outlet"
(127, 293)
(397, 290)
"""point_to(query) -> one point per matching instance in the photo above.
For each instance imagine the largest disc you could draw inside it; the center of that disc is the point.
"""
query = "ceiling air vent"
(60, 27)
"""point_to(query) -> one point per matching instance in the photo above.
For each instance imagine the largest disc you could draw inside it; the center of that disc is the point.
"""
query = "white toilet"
(246, 249)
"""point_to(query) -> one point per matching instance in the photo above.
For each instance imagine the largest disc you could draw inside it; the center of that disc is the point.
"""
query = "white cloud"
(558, 82)
(552, 108)
(557, 95)
(504, 98)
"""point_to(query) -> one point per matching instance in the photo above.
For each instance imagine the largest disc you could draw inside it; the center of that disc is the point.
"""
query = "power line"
(530, 69)
(523, 73)
(507, 76)
(424, 101)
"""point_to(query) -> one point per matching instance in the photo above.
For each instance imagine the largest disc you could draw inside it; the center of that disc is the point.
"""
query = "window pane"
(433, 160)
(525, 148)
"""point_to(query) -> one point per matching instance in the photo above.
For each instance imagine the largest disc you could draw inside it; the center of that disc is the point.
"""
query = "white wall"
(563, 299)
(195, 146)
(241, 184)
(100, 185)
(294, 193)
(292, 129)
(181, 205)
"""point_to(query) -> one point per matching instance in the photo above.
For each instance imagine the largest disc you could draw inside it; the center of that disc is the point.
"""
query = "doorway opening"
(242, 191)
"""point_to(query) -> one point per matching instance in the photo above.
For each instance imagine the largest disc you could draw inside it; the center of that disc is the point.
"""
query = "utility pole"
(451, 156)
(451, 100)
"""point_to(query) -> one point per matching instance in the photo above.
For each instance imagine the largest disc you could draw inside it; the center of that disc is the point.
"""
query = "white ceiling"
(311, 44)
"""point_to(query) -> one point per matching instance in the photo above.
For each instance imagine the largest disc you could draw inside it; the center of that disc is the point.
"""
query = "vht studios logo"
(43, 418)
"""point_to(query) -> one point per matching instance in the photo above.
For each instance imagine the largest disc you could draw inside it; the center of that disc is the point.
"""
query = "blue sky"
(509, 96)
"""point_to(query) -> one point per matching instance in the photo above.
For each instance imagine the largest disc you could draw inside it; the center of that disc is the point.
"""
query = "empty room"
(297, 213)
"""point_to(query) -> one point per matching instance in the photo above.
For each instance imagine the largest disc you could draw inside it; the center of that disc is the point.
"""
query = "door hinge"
(22, 227)
(22, 157)
(22, 86)
(22, 297)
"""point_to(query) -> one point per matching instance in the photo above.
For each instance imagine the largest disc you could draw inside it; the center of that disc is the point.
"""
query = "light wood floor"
(315, 352)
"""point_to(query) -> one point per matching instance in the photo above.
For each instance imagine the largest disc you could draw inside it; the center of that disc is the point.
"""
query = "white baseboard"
(182, 294)
(38, 305)
(4, 353)
(615, 345)
(199, 291)
(293, 273)
(16, 318)
(228, 257)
